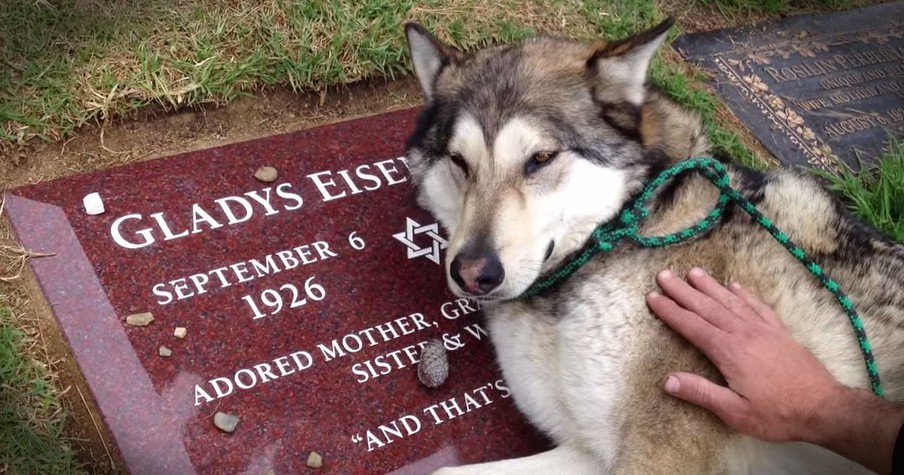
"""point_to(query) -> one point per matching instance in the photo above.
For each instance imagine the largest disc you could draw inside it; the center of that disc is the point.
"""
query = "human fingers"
(721, 401)
(708, 286)
(691, 326)
(695, 301)
(764, 311)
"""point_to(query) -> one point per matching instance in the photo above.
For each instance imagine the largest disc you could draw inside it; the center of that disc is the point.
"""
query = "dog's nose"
(477, 273)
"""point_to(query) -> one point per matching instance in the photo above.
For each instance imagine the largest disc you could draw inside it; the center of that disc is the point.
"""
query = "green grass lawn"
(877, 195)
(72, 61)
(75, 61)
(31, 416)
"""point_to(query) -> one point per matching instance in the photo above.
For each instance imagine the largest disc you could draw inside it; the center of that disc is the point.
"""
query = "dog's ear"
(621, 66)
(429, 56)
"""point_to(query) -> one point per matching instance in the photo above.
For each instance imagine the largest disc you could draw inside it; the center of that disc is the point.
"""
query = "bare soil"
(155, 133)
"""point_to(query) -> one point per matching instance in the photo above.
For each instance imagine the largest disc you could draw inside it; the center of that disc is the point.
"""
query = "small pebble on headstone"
(266, 174)
(180, 332)
(164, 351)
(225, 422)
(94, 205)
(142, 319)
(433, 368)
(314, 460)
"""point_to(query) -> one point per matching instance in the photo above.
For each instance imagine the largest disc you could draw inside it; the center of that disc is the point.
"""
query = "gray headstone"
(812, 87)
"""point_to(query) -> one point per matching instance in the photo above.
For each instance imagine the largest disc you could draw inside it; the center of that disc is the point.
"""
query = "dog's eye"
(538, 161)
(458, 160)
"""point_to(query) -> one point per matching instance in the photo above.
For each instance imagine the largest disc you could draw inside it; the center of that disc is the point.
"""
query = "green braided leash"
(607, 236)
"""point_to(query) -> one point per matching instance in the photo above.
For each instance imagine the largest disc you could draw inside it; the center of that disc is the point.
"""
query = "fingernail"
(672, 384)
(653, 295)
(666, 274)
(696, 272)
(735, 285)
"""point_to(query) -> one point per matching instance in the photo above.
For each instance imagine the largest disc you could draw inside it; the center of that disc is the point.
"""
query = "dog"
(522, 150)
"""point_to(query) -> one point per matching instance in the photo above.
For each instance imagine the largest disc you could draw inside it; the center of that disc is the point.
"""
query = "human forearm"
(858, 425)
(776, 389)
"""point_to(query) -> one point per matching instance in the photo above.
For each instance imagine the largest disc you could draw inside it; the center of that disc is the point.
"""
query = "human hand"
(777, 390)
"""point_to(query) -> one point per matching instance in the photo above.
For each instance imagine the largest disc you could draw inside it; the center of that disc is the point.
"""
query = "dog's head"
(522, 150)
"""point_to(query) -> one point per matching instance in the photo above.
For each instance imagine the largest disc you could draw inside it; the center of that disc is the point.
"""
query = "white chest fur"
(566, 372)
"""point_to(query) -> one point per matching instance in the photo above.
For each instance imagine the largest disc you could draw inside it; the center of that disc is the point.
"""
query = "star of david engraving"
(412, 229)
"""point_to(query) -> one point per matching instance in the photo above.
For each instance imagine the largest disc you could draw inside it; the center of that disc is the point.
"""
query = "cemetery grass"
(877, 195)
(145, 72)
(74, 62)
(32, 419)
(77, 61)
(734, 9)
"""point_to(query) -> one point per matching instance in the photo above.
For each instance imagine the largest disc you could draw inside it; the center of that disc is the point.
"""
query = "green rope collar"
(607, 236)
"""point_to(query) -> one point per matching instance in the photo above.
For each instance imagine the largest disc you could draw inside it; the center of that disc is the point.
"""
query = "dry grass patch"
(74, 61)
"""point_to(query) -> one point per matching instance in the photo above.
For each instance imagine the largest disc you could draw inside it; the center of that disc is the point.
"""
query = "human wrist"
(831, 417)
(858, 425)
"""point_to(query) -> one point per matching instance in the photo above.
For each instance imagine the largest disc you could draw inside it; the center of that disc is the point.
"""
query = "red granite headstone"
(305, 302)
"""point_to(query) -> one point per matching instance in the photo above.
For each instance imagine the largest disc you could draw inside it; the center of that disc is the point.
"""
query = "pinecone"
(433, 369)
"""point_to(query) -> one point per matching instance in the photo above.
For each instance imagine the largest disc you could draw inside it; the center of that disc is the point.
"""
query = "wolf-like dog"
(522, 150)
